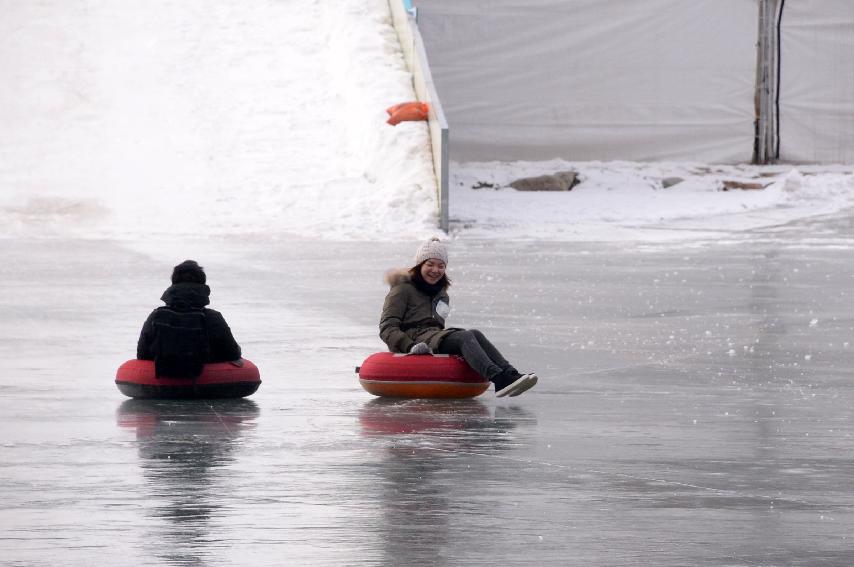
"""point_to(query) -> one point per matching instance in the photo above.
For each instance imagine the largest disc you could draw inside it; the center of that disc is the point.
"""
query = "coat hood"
(184, 296)
(396, 276)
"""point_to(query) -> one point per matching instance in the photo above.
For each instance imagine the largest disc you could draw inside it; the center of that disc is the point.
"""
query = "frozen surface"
(694, 409)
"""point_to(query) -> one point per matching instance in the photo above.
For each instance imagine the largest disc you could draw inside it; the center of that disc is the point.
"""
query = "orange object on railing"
(407, 111)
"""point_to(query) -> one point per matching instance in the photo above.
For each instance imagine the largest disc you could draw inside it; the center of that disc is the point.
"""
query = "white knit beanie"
(434, 249)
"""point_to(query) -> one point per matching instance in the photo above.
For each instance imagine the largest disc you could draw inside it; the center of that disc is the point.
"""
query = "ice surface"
(644, 442)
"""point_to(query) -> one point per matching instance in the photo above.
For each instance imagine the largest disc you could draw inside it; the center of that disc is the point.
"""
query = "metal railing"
(403, 18)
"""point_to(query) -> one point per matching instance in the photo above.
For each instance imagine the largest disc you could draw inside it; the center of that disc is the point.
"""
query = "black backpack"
(180, 343)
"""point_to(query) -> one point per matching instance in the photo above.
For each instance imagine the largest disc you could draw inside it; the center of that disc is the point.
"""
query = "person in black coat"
(189, 294)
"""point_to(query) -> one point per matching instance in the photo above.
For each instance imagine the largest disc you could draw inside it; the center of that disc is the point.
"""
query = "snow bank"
(626, 200)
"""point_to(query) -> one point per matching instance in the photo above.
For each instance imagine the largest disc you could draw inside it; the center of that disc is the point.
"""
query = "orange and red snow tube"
(392, 375)
(136, 379)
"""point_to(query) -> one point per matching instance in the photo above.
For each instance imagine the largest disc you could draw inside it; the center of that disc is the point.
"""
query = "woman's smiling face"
(432, 270)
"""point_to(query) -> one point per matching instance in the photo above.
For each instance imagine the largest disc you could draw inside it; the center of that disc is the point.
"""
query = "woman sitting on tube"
(413, 322)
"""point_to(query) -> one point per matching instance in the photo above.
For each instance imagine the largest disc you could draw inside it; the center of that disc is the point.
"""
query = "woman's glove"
(420, 348)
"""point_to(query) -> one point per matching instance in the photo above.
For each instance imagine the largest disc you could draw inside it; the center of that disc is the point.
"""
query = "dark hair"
(188, 271)
(415, 274)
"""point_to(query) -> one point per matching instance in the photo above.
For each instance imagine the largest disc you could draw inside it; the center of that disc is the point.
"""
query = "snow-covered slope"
(196, 117)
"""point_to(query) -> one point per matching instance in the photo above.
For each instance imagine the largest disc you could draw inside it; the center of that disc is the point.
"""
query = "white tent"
(816, 83)
(723, 81)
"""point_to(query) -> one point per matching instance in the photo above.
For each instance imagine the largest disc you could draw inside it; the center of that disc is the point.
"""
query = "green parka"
(410, 316)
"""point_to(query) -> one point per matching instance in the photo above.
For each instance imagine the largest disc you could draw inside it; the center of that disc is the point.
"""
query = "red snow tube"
(136, 379)
(420, 376)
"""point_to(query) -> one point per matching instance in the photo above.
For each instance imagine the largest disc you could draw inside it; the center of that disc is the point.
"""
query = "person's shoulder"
(214, 319)
(156, 311)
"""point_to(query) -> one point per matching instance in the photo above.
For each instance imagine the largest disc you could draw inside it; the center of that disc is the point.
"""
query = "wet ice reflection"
(182, 445)
(430, 472)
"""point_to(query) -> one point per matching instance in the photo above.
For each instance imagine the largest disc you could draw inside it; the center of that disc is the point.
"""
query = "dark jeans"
(476, 350)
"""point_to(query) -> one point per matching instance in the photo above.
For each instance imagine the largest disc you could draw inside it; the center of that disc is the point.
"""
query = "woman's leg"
(491, 351)
(482, 355)
(466, 344)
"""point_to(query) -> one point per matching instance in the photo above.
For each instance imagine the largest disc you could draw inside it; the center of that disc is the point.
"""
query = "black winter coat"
(192, 297)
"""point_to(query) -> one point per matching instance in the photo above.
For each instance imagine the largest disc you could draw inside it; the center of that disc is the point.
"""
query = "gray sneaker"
(530, 382)
(521, 384)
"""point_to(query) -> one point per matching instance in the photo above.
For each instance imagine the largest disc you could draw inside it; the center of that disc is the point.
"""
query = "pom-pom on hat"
(432, 249)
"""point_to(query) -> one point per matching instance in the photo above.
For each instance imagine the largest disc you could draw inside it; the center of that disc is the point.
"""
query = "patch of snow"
(625, 200)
